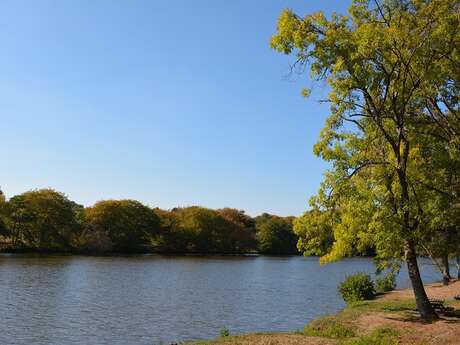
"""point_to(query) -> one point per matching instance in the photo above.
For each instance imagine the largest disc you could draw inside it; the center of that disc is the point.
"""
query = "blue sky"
(173, 103)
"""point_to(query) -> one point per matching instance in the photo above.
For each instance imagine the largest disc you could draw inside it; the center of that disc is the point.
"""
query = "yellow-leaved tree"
(392, 67)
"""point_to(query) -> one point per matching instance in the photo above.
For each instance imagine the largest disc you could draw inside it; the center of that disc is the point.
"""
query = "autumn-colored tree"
(242, 230)
(3, 210)
(206, 230)
(275, 235)
(173, 238)
(42, 219)
(121, 225)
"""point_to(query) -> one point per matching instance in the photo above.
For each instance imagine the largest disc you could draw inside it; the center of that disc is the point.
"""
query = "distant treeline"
(47, 221)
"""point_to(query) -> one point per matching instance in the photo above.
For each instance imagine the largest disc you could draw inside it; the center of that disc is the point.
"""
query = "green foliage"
(95, 242)
(242, 230)
(172, 237)
(201, 230)
(380, 336)
(224, 332)
(4, 231)
(393, 133)
(275, 235)
(206, 231)
(386, 283)
(357, 287)
(46, 220)
(329, 327)
(43, 219)
(315, 233)
(123, 225)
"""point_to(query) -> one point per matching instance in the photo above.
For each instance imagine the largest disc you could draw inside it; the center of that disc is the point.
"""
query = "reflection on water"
(137, 300)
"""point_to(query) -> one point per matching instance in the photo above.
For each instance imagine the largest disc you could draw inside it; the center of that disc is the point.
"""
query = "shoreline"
(389, 319)
(121, 254)
(44, 251)
(153, 253)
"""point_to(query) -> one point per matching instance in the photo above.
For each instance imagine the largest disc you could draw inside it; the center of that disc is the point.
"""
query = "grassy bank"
(390, 319)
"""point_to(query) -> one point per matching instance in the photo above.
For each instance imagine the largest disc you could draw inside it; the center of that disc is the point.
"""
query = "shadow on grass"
(406, 311)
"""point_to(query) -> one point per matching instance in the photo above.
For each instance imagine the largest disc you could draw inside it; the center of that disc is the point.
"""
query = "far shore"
(117, 254)
(390, 318)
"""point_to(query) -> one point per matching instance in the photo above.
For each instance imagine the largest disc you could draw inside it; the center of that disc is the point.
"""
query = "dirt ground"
(445, 331)
(415, 332)
(435, 290)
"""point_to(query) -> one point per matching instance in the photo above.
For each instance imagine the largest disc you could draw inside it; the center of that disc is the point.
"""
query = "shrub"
(224, 332)
(386, 283)
(357, 287)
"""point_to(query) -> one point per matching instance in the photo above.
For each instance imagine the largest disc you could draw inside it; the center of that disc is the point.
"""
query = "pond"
(148, 299)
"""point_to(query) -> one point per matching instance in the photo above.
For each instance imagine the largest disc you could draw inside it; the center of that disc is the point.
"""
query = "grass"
(381, 336)
(340, 328)
(257, 338)
(331, 326)
(394, 306)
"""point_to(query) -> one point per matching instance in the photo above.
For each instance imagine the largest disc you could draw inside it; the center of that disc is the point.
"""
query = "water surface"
(140, 300)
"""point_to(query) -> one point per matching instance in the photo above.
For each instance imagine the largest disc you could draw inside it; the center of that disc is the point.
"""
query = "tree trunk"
(423, 304)
(445, 269)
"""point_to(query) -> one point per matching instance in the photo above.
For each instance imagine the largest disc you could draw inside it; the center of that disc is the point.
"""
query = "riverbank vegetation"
(390, 319)
(45, 220)
(392, 137)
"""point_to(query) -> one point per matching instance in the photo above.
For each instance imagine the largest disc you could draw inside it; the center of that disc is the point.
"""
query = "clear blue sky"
(173, 103)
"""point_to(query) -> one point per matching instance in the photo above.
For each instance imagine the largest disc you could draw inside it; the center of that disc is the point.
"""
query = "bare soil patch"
(435, 290)
(412, 329)
(390, 311)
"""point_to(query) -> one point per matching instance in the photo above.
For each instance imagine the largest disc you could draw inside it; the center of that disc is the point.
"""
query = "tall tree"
(3, 209)
(172, 237)
(207, 230)
(128, 224)
(242, 229)
(275, 235)
(42, 219)
(382, 62)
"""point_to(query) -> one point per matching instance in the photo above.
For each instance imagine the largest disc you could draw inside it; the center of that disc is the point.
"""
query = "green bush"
(357, 287)
(224, 332)
(386, 283)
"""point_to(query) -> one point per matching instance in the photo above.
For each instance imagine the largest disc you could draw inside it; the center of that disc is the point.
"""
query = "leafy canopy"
(393, 70)
(43, 219)
(128, 224)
